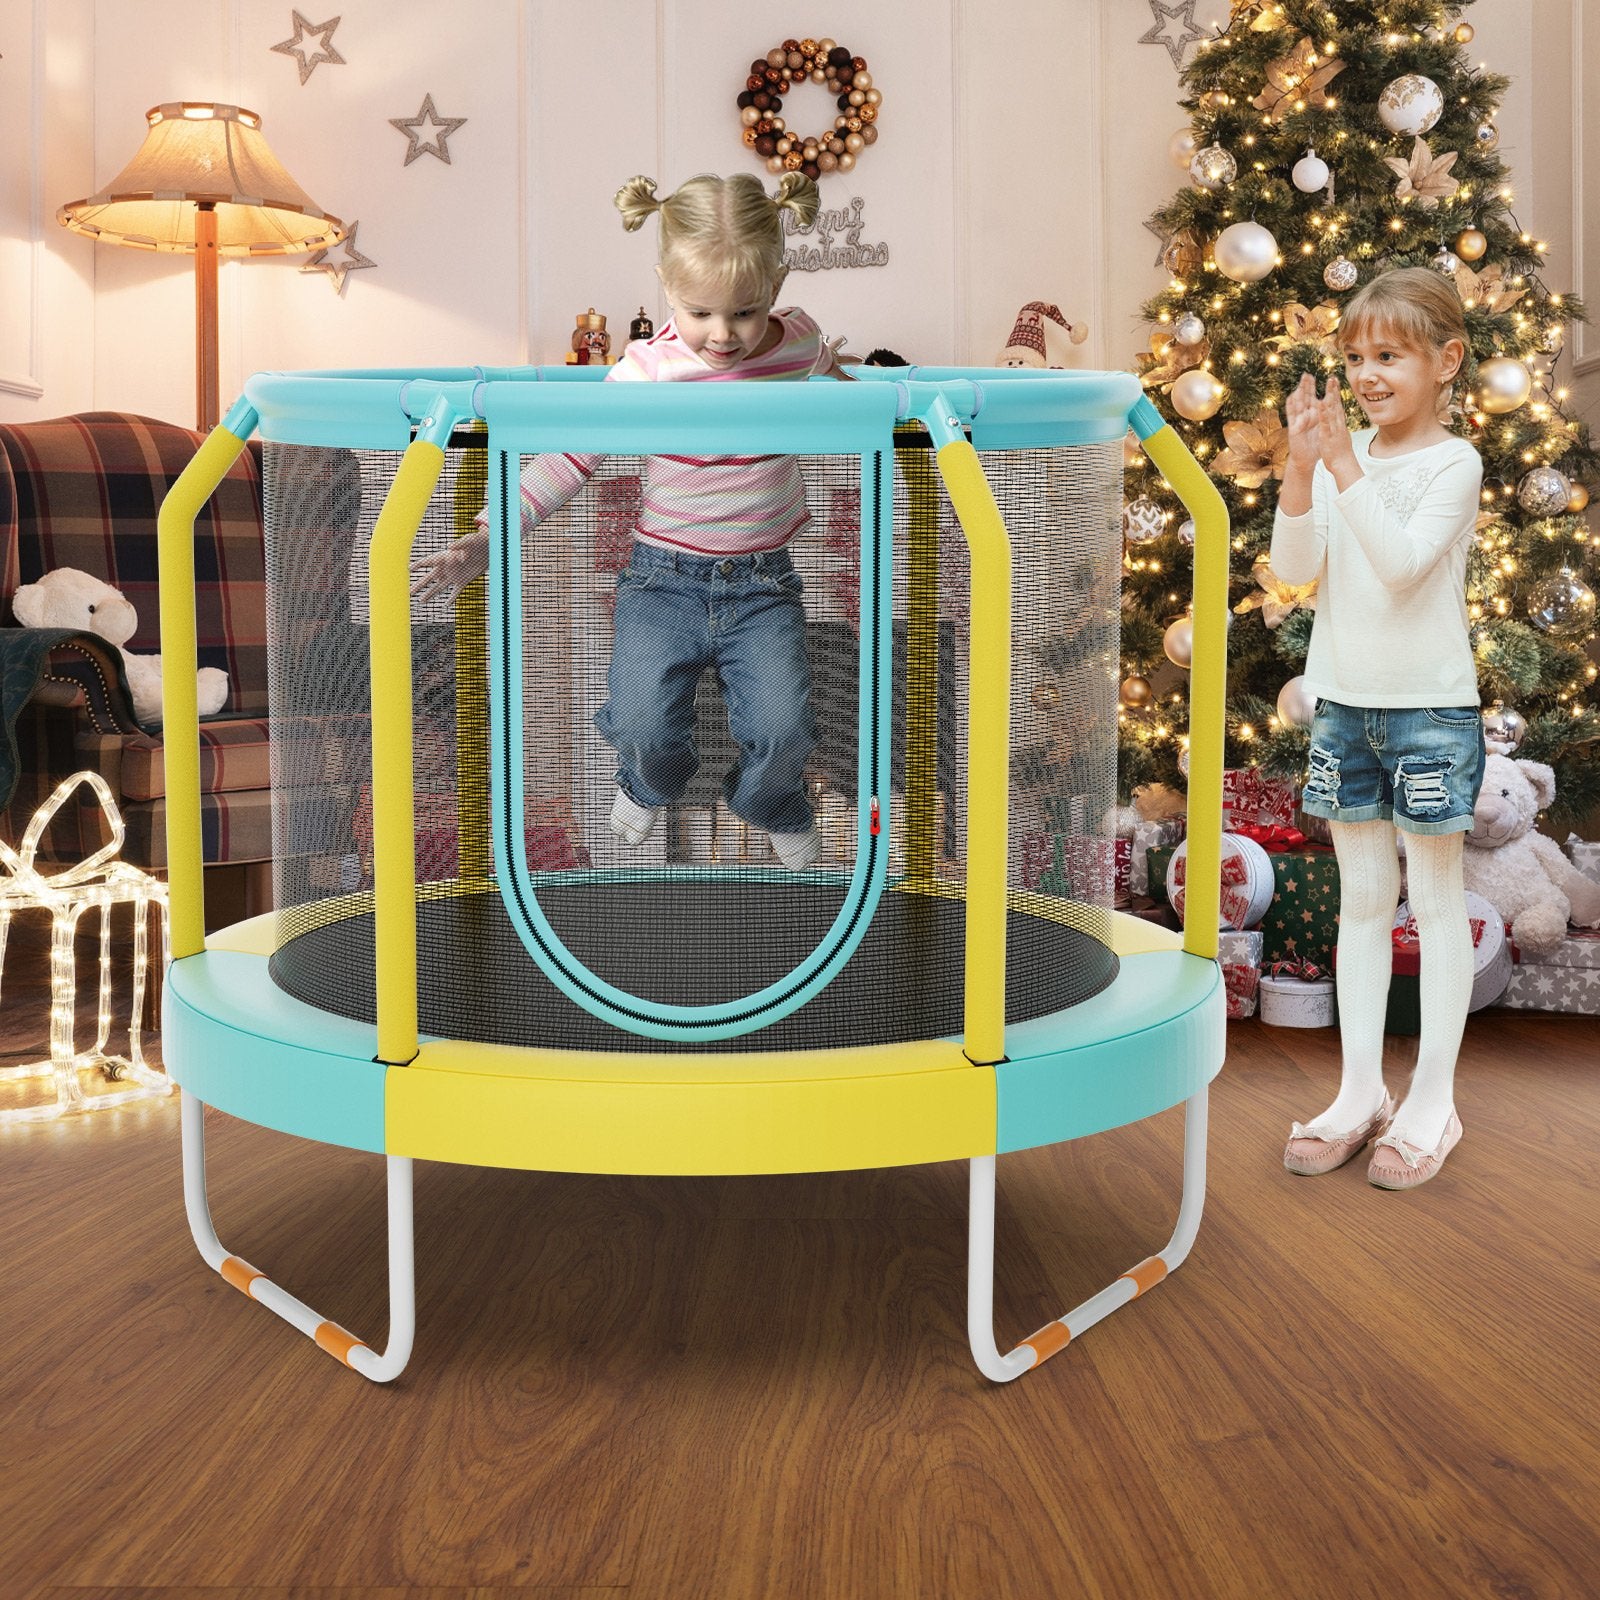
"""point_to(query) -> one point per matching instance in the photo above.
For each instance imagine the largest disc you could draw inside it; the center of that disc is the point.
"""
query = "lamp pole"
(207, 384)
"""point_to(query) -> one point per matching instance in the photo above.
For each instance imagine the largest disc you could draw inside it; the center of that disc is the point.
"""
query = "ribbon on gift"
(1272, 836)
(1404, 936)
(1305, 971)
(1235, 905)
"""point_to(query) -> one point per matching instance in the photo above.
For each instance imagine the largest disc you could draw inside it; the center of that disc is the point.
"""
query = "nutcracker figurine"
(591, 343)
(641, 327)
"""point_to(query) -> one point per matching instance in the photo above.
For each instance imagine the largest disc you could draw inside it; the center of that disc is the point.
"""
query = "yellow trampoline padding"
(256, 936)
(576, 1111)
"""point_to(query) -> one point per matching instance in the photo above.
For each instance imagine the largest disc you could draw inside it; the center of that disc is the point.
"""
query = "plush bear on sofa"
(67, 598)
(1522, 874)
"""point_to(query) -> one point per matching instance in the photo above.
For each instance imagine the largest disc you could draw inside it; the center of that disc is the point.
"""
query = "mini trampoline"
(465, 965)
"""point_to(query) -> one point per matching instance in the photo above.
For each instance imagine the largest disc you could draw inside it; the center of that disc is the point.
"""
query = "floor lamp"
(204, 181)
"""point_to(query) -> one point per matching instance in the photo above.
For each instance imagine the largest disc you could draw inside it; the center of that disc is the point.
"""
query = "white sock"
(1369, 891)
(630, 821)
(1438, 901)
(797, 851)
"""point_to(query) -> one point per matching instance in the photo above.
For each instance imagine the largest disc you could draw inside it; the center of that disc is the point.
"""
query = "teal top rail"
(1003, 408)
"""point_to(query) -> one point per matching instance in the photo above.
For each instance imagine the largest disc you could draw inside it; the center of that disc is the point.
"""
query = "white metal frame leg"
(339, 1343)
(1054, 1336)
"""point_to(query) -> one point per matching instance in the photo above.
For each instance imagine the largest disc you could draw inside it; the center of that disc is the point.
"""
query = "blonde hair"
(1415, 306)
(726, 233)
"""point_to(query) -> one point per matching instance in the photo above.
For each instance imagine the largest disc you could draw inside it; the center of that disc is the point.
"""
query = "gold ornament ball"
(1465, 33)
(1135, 692)
(1486, 137)
(1578, 500)
(1197, 395)
(1178, 642)
(1047, 696)
(1245, 252)
(1504, 384)
(1470, 244)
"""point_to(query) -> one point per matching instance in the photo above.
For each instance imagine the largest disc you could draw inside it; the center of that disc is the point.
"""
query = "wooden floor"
(651, 1388)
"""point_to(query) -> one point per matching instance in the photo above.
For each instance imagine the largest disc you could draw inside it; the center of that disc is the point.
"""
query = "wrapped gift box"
(1148, 836)
(1250, 797)
(1491, 964)
(1585, 855)
(1239, 955)
(1302, 923)
(1294, 1002)
(1568, 979)
(1078, 866)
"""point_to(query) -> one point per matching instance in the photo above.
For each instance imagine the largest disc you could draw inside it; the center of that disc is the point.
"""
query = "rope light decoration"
(789, 66)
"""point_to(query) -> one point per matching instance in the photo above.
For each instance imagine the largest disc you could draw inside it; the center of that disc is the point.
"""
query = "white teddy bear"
(68, 598)
(1520, 872)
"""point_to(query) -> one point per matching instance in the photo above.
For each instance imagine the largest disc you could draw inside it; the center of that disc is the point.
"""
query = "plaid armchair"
(83, 491)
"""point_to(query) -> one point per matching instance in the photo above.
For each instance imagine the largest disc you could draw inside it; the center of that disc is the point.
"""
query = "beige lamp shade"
(200, 155)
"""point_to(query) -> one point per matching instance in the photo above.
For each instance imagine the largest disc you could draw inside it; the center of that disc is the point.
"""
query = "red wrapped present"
(1251, 797)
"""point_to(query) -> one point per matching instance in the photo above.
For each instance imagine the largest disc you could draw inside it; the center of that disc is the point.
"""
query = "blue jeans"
(1420, 767)
(678, 614)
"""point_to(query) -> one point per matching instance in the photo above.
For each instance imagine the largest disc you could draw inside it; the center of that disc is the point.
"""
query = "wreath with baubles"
(791, 64)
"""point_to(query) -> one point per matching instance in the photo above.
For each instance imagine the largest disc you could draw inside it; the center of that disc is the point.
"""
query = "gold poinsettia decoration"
(1303, 74)
(1424, 175)
(1257, 450)
(1301, 325)
(1487, 290)
(1167, 358)
(1275, 598)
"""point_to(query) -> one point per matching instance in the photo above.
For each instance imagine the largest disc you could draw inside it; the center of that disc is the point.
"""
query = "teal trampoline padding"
(1146, 1042)
(235, 1040)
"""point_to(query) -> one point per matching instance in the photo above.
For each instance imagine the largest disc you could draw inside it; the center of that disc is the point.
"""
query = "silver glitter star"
(339, 260)
(1176, 40)
(311, 45)
(427, 121)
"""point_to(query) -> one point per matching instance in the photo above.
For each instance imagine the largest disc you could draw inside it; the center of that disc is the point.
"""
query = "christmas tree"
(1327, 144)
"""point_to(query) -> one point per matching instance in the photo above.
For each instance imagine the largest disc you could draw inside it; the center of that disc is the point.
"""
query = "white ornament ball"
(1341, 273)
(1296, 704)
(1213, 167)
(1183, 759)
(1189, 329)
(1247, 881)
(1197, 395)
(1486, 137)
(1504, 726)
(1562, 606)
(1186, 530)
(1504, 383)
(1181, 148)
(1310, 173)
(1142, 521)
(1410, 105)
(1178, 642)
(1544, 492)
(1246, 252)
(1447, 261)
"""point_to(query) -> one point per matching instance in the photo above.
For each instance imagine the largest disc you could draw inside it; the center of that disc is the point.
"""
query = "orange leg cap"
(1053, 1336)
(337, 1342)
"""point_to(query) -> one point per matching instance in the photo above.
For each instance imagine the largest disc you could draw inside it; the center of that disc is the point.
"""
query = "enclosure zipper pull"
(874, 814)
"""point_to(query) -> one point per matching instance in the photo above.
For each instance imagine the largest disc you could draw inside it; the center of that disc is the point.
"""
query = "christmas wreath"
(791, 64)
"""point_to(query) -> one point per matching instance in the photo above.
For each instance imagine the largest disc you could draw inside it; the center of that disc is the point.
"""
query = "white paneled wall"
(1022, 148)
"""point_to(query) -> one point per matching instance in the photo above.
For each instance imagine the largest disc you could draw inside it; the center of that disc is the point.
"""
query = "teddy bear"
(1520, 872)
(68, 598)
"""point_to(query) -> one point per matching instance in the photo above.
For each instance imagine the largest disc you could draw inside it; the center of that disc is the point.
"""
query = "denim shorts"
(1419, 767)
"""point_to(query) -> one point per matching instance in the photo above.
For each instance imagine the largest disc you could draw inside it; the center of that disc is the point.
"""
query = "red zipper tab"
(875, 814)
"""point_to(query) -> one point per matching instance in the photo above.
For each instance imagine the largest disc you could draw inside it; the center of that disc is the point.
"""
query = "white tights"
(1369, 889)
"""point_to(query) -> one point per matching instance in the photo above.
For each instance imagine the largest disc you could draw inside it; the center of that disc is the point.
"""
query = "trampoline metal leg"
(1054, 1336)
(339, 1343)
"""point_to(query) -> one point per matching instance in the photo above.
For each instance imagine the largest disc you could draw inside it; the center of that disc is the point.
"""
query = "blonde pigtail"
(799, 194)
(636, 200)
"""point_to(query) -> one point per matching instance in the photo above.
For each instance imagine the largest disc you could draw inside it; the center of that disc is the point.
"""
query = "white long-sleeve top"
(1391, 556)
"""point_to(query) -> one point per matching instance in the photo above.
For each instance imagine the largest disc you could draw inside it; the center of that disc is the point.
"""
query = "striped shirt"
(709, 505)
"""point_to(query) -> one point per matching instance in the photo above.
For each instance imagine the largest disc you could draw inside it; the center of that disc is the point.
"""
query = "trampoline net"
(701, 912)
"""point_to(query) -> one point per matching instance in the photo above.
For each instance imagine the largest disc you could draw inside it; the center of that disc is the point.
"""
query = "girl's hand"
(1334, 444)
(1302, 412)
(445, 573)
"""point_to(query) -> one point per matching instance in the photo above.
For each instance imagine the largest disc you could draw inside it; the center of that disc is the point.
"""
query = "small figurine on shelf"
(591, 344)
(1026, 346)
(641, 327)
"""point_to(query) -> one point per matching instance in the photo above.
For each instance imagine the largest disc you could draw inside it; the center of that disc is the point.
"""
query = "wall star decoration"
(311, 45)
(339, 260)
(427, 132)
(1176, 38)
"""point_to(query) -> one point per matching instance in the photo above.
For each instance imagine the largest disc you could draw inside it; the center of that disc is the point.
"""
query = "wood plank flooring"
(653, 1388)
